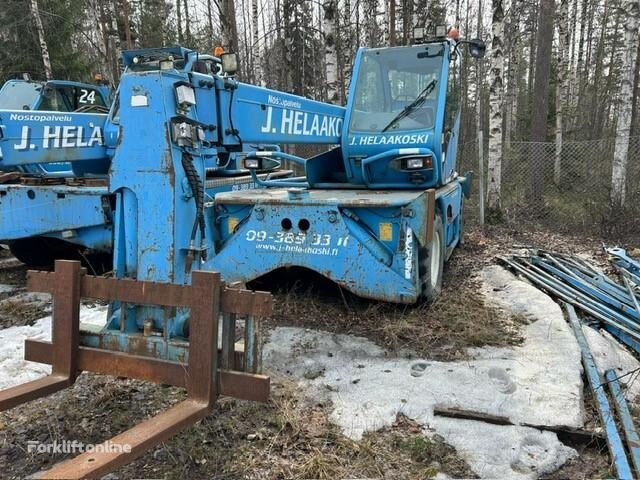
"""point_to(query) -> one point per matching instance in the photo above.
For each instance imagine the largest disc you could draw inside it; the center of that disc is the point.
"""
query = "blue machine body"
(47, 129)
(182, 137)
(364, 215)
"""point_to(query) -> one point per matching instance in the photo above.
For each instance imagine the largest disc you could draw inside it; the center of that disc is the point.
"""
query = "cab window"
(452, 107)
(70, 98)
(369, 97)
(54, 100)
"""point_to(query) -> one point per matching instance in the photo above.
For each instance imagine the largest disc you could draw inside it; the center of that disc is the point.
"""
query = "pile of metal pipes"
(578, 285)
(616, 305)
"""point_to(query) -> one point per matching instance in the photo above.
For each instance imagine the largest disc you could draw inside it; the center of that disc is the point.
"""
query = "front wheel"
(432, 262)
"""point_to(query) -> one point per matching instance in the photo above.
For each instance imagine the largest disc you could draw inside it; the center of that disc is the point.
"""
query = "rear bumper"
(365, 241)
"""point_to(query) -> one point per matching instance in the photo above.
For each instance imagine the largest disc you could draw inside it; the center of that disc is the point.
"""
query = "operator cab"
(391, 79)
(53, 96)
(403, 116)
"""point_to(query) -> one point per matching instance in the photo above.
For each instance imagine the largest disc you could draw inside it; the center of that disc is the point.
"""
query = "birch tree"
(494, 170)
(630, 12)
(392, 23)
(330, 53)
(373, 31)
(256, 46)
(562, 83)
(44, 50)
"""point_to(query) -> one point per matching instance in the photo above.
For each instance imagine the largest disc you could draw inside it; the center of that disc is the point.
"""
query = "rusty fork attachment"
(207, 373)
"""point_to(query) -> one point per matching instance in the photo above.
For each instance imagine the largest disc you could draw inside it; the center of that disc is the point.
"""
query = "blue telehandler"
(380, 213)
(191, 189)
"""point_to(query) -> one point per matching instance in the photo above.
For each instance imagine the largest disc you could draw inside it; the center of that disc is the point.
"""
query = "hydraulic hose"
(197, 189)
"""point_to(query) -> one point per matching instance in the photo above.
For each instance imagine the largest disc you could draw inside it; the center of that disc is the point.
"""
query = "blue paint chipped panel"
(365, 241)
(27, 211)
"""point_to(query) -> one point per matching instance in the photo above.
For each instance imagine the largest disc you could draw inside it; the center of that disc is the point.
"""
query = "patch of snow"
(4, 288)
(538, 382)
(609, 354)
(499, 451)
(14, 369)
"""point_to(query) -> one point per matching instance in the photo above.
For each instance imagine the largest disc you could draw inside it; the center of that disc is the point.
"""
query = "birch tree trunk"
(630, 11)
(513, 26)
(371, 8)
(256, 47)
(479, 74)
(494, 170)
(210, 24)
(330, 53)
(562, 84)
(100, 39)
(636, 82)
(44, 50)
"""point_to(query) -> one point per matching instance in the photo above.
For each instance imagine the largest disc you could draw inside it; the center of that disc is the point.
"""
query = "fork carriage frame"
(207, 373)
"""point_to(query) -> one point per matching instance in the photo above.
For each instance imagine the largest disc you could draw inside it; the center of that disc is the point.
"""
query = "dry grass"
(18, 312)
(282, 439)
(442, 330)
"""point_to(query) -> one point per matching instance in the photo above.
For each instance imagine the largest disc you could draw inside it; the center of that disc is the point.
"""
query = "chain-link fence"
(573, 191)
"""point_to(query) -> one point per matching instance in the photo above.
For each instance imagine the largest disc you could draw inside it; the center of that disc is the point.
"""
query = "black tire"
(462, 223)
(34, 252)
(42, 252)
(432, 284)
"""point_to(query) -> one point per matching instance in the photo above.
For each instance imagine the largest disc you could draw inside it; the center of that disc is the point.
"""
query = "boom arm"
(252, 114)
(34, 137)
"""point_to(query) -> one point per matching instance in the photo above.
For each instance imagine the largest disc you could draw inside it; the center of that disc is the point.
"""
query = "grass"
(19, 312)
(284, 438)
(443, 330)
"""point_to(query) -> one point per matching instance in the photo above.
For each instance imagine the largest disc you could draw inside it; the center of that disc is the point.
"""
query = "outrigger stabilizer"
(206, 370)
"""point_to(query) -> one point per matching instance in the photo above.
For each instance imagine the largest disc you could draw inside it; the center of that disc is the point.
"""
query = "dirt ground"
(287, 438)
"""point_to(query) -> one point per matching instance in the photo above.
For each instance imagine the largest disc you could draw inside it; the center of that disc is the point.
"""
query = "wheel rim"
(435, 259)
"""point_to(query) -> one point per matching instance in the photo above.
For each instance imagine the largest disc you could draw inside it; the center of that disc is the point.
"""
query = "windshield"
(390, 80)
(19, 95)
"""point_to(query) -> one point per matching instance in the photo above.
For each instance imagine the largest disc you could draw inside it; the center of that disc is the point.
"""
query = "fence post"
(481, 174)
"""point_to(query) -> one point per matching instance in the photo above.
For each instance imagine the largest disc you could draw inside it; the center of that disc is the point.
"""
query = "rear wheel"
(34, 252)
(432, 262)
(42, 252)
(462, 222)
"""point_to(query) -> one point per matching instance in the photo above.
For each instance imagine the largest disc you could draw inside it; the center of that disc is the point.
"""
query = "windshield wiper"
(419, 100)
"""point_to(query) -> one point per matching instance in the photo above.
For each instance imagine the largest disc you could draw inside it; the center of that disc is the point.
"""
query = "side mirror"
(477, 48)
(229, 63)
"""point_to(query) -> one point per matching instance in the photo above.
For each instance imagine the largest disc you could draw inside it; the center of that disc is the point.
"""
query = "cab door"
(451, 129)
